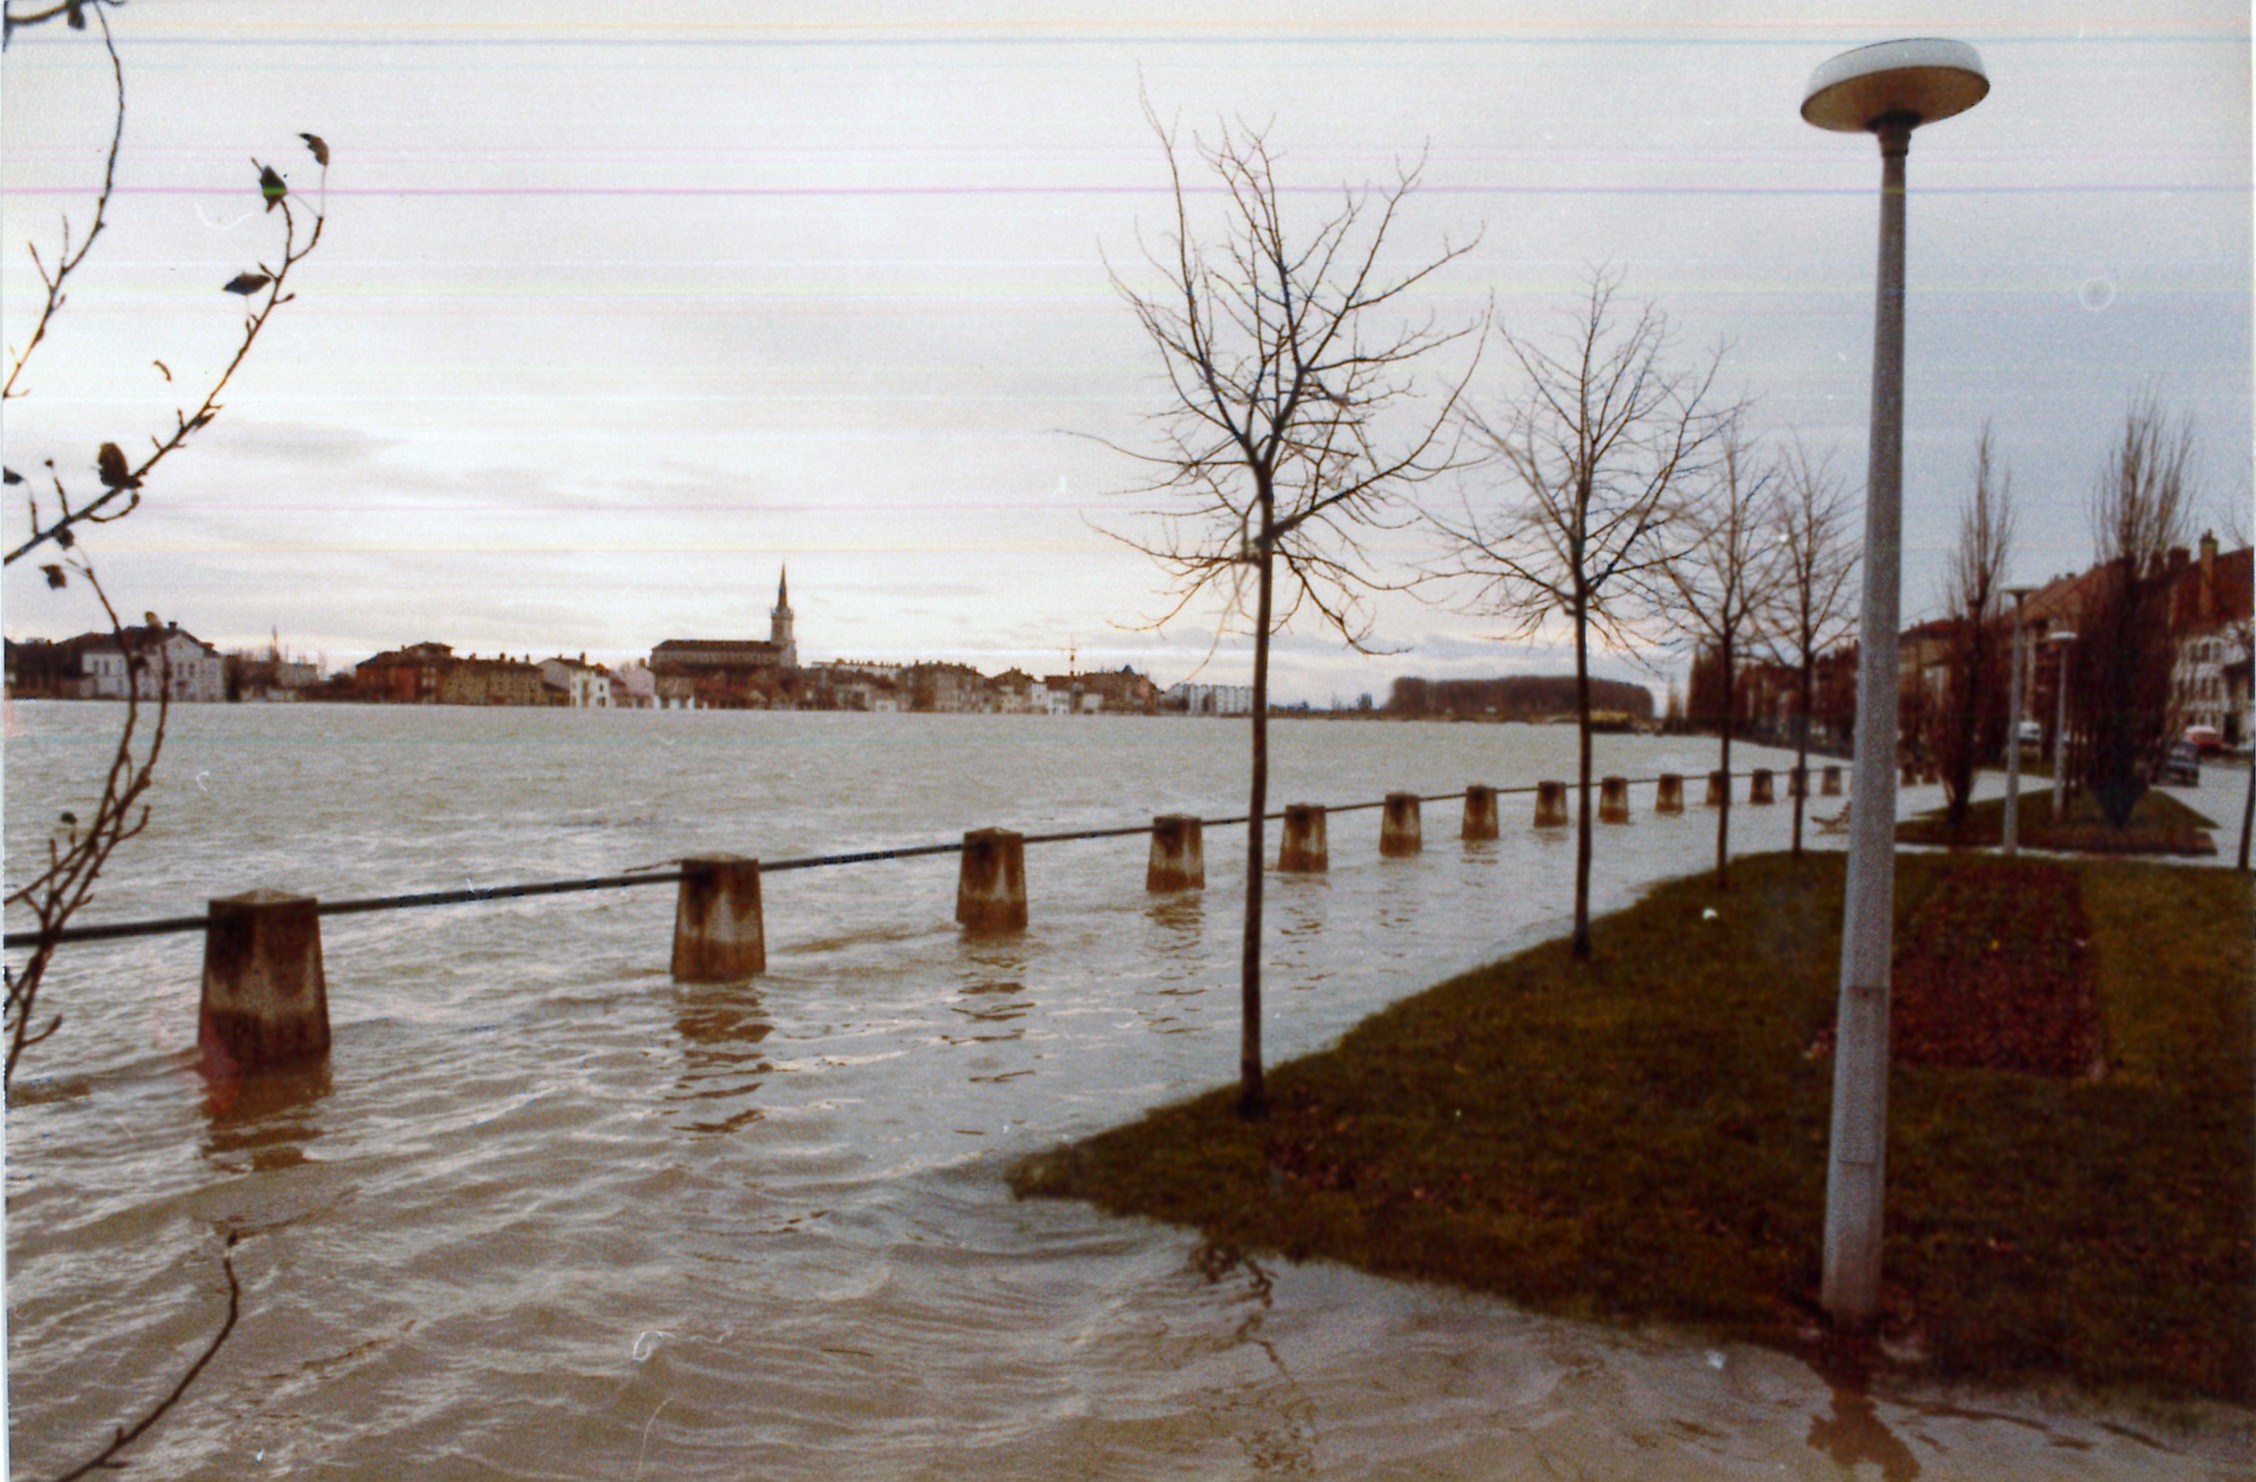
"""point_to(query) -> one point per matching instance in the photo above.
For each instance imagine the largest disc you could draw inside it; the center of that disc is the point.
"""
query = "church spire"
(779, 627)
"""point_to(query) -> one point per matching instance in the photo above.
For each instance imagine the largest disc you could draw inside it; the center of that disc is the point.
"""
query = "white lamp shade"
(1923, 79)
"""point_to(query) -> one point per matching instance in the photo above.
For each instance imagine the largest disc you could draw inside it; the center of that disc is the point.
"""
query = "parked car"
(2183, 766)
(2205, 740)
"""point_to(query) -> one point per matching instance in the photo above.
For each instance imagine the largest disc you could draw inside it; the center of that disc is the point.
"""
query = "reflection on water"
(1854, 1434)
(720, 1027)
(261, 1123)
(1181, 917)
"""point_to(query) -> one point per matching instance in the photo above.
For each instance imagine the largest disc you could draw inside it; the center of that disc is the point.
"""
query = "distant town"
(680, 674)
(2212, 687)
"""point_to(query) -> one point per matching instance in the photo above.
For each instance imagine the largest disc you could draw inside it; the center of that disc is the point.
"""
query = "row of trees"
(1623, 502)
(1624, 492)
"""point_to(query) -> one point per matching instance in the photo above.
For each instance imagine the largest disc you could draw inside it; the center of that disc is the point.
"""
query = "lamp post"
(1886, 90)
(2061, 640)
(2013, 733)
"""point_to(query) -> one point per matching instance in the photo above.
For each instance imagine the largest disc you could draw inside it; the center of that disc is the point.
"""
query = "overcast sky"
(623, 306)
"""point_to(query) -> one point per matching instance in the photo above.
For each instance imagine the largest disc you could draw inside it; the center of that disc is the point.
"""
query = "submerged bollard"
(1759, 789)
(1550, 805)
(1670, 798)
(991, 885)
(1719, 790)
(1303, 851)
(1829, 784)
(1613, 800)
(265, 1000)
(1399, 831)
(720, 935)
(1178, 855)
(1480, 813)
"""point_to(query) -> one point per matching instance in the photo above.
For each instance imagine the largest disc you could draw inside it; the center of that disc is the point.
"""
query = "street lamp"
(1886, 90)
(2061, 640)
(2013, 733)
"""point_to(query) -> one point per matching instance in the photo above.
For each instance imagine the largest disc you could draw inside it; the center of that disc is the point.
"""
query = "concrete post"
(1759, 789)
(1303, 851)
(1613, 800)
(265, 1000)
(1480, 813)
(1399, 832)
(1719, 788)
(1670, 797)
(1830, 785)
(720, 935)
(1178, 855)
(1550, 805)
(991, 885)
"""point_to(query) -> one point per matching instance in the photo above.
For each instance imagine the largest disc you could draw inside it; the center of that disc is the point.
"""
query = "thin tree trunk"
(1253, 1099)
(1582, 823)
(1801, 753)
(2248, 810)
(1723, 814)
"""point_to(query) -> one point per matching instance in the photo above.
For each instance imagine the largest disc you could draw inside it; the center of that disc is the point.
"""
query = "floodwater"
(547, 1214)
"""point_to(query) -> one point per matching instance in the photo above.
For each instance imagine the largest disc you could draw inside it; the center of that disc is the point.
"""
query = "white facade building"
(585, 686)
(172, 662)
(1211, 699)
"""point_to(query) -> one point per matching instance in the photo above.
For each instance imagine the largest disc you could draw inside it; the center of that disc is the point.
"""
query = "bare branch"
(124, 1437)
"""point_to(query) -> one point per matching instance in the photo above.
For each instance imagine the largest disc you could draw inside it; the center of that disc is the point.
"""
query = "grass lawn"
(2159, 824)
(1643, 1138)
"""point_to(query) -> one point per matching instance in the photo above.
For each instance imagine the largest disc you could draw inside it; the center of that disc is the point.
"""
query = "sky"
(620, 309)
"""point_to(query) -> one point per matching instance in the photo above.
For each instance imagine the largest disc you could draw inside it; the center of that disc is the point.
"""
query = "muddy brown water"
(546, 1214)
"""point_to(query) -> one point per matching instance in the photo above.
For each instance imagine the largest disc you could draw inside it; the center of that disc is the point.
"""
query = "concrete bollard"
(266, 1000)
(1178, 855)
(1480, 813)
(1829, 783)
(1670, 798)
(720, 935)
(1719, 790)
(1304, 851)
(1759, 787)
(1399, 832)
(991, 885)
(1550, 805)
(1613, 800)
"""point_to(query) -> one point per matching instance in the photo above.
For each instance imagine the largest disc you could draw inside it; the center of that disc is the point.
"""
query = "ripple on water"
(532, 1150)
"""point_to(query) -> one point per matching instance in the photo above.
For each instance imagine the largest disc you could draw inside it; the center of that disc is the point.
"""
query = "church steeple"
(779, 621)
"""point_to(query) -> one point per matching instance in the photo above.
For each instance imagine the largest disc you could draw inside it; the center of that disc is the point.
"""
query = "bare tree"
(1289, 431)
(81, 848)
(2119, 694)
(1973, 704)
(78, 858)
(1816, 606)
(1727, 576)
(1590, 448)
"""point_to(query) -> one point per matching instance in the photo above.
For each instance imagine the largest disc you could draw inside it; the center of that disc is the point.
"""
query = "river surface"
(547, 1214)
